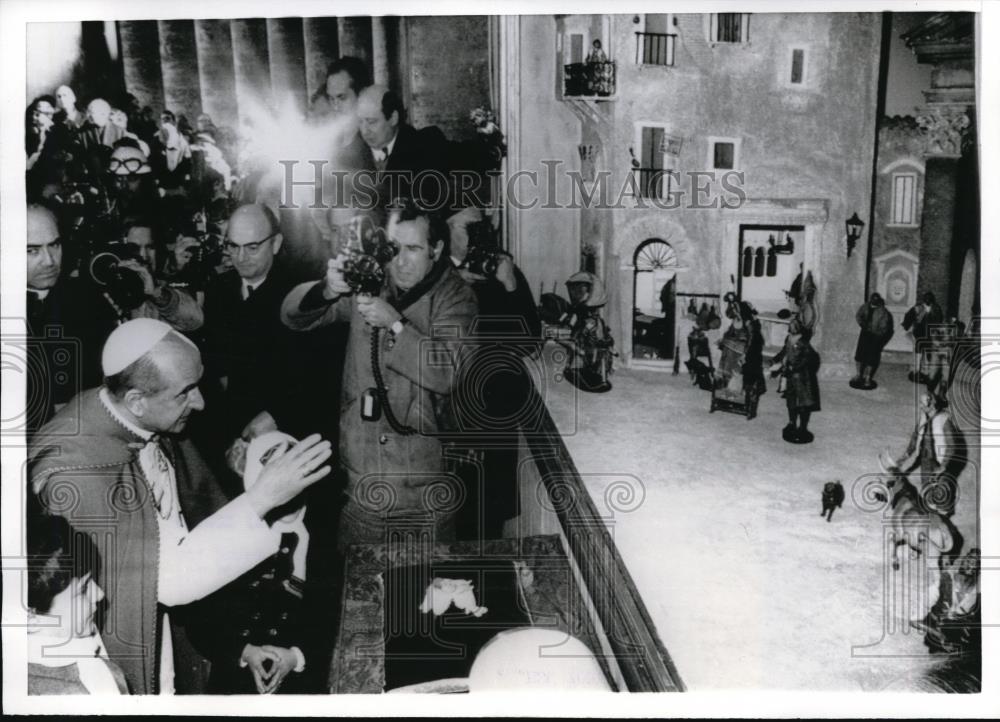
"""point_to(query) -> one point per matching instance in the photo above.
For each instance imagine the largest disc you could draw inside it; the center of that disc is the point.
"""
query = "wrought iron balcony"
(581, 80)
(654, 49)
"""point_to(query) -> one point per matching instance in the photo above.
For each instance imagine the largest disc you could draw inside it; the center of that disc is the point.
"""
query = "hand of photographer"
(182, 251)
(505, 273)
(148, 283)
(377, 312)
(286, 476)
(470, 277)
(335, 283)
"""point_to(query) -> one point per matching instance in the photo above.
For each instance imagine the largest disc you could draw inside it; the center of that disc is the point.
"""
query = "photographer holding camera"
(495, 401)
(405, 348)
(123, 273)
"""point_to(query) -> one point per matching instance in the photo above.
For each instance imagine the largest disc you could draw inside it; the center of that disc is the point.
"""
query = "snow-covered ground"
(748, 586)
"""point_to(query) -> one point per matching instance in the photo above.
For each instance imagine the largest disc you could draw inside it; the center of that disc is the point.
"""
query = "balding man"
(116, 463)
(99, 130)
(67, 314)
(69, 115)
(401, 153)
(245, 342)
(64, 338)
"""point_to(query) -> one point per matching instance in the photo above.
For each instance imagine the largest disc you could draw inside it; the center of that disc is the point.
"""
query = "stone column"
(354, 37)
(179, 62)
(140, 54)
(286, 50)
(943, 127)
(380, 55)
(215, 71)
(250, 63)
(320, 49)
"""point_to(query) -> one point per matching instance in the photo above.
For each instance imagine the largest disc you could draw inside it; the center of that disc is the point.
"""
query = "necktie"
(381, 162)
(248, 291)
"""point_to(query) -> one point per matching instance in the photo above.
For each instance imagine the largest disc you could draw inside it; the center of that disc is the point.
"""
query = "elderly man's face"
(416, 254)
(376, 129)
(98, 113)
(167, 410)
(65, 98)
(343, 99)
(142, 238)
(44, 250)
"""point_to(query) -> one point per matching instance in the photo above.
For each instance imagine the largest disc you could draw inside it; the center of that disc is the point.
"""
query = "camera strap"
(370, 410)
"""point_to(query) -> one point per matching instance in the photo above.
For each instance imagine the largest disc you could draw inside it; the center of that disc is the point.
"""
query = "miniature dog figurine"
(833, 496)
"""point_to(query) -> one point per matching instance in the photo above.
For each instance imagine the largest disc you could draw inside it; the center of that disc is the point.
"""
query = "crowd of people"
(249, 388)
(240, 390)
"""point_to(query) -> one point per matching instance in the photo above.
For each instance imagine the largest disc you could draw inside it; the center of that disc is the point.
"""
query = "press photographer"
(124, 274)
(494, 401)
(405, 346)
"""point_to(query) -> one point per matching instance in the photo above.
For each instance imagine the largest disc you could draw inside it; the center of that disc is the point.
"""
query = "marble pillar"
(286, 50)
(140, 54)
(944, 127)
(251, 66)
(354, 37)
(320, 49)
(179, 63)
(380, 54)
(215, 71)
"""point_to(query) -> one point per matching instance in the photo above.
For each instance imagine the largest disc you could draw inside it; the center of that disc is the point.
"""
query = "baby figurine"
(442, 593)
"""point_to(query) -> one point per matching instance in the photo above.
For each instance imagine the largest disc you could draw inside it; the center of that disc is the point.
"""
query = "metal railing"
(589, 79)
(654, 48)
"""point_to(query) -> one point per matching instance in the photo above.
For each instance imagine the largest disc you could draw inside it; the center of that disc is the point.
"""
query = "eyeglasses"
(39, 111)
(251, 248)
(132, 165)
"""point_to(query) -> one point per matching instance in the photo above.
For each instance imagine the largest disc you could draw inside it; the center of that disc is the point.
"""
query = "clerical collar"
(105, 397)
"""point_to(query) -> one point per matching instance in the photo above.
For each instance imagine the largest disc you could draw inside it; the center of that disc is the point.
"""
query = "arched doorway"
(654, 289)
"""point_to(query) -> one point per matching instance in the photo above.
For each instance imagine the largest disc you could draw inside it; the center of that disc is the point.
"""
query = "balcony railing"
(589, 79)
(654, 49)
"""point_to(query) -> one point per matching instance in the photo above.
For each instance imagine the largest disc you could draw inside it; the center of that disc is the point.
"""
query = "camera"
(364, 270)
(123, 285)
(484, 255)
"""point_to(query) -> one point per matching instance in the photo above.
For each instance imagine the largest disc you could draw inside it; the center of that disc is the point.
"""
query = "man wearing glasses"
(46, 144)
(247, 348)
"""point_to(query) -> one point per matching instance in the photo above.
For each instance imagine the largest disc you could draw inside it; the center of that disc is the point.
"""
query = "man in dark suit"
(246, 345)
(64, 340)
(495, 398)
(410, 163)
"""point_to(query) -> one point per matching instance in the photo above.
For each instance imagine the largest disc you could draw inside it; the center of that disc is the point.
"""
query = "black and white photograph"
(444, 359)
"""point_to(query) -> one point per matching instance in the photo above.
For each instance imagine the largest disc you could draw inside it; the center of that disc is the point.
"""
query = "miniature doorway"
(654, 300)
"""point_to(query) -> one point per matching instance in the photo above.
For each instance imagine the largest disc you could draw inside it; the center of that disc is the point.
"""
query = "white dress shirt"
(382, 154)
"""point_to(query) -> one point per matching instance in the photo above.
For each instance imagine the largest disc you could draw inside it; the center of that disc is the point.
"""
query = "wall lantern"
(854, 227)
